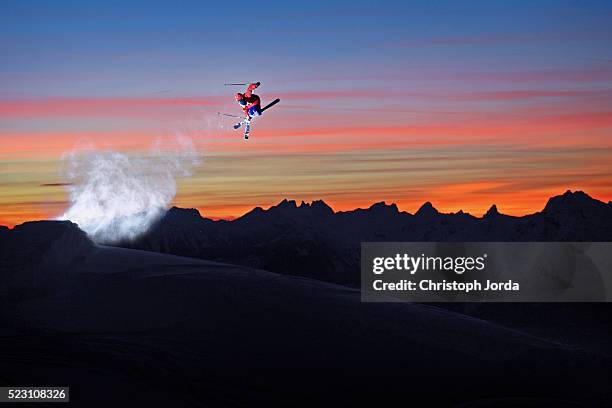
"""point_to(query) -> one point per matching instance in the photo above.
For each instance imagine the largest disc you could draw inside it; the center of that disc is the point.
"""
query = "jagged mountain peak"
(318, 206)
(285, 204)
(492, 212)
(427, 210)
(46, 227)
(41, 235)
(382, 206)
(571, 201)
(183, 214)
(256, 210)
(290, 207)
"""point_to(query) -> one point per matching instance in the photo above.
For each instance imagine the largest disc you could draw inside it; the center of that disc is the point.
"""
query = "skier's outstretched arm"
(250, 89)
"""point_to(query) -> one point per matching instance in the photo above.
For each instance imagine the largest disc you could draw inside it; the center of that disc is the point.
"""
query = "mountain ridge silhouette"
(312, 240)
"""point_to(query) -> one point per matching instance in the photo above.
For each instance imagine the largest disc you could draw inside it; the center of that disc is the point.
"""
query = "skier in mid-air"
(250, 102)
(251, 106)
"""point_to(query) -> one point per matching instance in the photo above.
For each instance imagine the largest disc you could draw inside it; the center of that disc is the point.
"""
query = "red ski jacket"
(250, 97)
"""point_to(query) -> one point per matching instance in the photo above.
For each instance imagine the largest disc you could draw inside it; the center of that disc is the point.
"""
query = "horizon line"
(303, 202)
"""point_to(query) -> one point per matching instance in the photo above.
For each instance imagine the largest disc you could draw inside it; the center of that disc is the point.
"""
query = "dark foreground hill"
(124, 327)
(312, 240)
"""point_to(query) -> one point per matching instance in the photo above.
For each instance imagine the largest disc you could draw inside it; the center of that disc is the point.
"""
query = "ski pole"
(227, 114)
(233, 84)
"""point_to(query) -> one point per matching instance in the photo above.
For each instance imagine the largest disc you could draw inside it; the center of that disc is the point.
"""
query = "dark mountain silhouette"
(160, 330)
(314, 241)
(34, 256)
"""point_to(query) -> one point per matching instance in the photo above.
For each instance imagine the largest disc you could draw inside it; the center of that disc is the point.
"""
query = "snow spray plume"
(116, 197)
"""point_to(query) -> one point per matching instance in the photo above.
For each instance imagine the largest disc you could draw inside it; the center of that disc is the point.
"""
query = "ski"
(271, 104)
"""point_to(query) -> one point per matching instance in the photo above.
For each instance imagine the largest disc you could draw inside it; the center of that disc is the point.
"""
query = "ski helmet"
(239, 96)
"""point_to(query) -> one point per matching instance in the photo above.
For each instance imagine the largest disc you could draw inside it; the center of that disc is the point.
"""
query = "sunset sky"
(463, 104)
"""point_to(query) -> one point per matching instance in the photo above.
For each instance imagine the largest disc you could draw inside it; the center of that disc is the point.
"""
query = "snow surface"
(162, 330)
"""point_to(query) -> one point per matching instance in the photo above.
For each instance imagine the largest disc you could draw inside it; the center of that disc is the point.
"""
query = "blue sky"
(109, 48)
(456, 102)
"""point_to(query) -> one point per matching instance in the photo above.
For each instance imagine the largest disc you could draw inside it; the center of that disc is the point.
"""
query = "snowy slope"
(161, 330)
